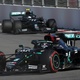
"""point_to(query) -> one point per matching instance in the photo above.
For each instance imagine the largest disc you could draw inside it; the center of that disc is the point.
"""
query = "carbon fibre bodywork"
(19, 22)
(49, 54)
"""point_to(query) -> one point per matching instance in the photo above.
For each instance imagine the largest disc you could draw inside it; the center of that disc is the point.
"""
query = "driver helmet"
(28, 11)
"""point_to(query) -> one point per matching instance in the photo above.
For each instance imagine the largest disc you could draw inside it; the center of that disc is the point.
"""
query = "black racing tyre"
(2, 62)
(54, 62)
(6, 26)
(17, 26)
(51, 23)
(51, 59)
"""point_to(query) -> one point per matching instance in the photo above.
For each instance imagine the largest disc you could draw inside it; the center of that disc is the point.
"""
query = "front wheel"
(6, 26)
(2, 62)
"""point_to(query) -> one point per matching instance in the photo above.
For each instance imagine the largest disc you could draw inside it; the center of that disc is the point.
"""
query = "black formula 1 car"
(19, 22)
(50, 54)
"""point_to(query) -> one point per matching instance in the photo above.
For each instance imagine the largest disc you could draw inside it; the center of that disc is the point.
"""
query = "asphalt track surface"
(8, 44)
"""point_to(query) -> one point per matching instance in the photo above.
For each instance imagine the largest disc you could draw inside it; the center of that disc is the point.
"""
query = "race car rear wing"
(69, 36)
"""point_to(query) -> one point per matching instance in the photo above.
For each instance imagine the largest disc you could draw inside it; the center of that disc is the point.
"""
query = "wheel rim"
(56, 61)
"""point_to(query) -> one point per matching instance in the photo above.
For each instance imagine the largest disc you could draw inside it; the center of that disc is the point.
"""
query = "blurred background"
(66, 12)
(53, 3)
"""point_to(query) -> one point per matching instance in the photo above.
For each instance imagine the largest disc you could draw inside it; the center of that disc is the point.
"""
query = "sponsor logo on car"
(32, 67)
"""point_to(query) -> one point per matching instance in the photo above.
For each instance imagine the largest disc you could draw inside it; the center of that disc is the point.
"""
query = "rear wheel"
(6, 26)
(17, 26)
(51, 23)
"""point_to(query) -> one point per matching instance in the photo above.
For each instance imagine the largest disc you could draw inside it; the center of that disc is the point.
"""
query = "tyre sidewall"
(6, 26)
(17, 27)
(52, 66)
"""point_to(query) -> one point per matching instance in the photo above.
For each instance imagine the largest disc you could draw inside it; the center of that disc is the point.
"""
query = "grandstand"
(54, 3)
(66, 12)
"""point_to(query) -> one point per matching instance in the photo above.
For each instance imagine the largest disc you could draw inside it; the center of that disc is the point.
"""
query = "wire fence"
(49, 3)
